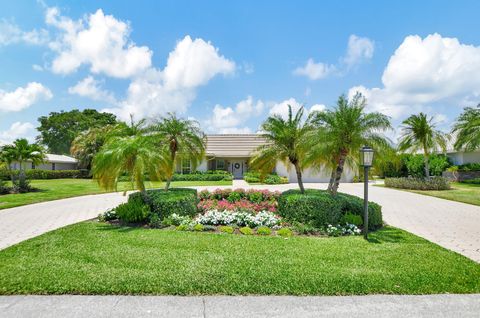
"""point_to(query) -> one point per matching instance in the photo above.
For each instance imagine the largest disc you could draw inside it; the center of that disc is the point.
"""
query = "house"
(231, 152)
(460, 157)
(52, 162)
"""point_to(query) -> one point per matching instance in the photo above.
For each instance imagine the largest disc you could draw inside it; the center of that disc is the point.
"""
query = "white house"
(231, 152)
(460, 157)
(52, 162)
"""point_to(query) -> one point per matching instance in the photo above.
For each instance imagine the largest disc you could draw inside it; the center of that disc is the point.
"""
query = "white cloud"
(23, 97)
(314, 71)
(37, 67)
(91, 88)
(191, 64)
(228, 119)
(98, 40)
(318, 108)
(426, 71)
(282, 107)
(10, 33)
(17, 130)
(359, 49)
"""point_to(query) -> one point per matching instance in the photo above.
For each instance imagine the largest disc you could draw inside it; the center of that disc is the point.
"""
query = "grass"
(97, 258)
(65, 188)
(460, 192)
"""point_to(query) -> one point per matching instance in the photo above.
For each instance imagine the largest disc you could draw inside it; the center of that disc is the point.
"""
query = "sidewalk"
(248, 306)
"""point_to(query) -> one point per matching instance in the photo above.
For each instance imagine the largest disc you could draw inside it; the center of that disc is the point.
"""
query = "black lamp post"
(366, 160)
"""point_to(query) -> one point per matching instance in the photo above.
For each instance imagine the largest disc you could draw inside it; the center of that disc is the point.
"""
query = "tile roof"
(233, 145)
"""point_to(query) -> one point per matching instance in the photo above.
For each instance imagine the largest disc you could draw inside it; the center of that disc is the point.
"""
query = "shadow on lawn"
(387, 235)
(117, 227)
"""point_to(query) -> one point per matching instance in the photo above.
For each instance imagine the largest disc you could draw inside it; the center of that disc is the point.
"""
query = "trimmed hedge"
(182, 201)
(133, 211)
(202, 177)
(319, 208)
(36, 174)
(256, 177)
(433, 183)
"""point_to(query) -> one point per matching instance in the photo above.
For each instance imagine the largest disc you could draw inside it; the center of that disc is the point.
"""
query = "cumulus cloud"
(23, 97)
(99, 41)
(191, 64)
(426, 71)
(10, 33)
(228, 119)
(359, 49)
(92, 88)
(314, 71)
(281, 108)
(17, 130)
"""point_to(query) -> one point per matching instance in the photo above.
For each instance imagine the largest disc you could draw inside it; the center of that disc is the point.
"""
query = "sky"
(230, 64)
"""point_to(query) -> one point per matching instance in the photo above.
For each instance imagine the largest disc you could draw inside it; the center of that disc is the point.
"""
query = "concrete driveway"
(453, 225)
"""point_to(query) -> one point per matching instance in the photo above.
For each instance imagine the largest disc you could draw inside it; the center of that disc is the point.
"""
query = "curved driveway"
(453, 225)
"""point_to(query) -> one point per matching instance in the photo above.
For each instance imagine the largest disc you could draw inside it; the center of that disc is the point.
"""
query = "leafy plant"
(305, 229)
(155, 222)
(434, 183)
(246, 230)
(350, 218)
(198, 227)
(234, 197)
(134, 211)
(467, 129)
(263, 230)
(226, 229)
(175, 219)
(182, 227)
(108, 215)
(285, 232)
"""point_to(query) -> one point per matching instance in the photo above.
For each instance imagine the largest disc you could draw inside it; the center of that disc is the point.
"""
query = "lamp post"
(366, 160)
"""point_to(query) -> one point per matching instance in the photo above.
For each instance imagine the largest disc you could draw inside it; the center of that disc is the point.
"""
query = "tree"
(467, 129)
(22, 151)
(419, 133)
(286, 141)
(88, 143)
(341, 132)
(180, 139)
(59, 129)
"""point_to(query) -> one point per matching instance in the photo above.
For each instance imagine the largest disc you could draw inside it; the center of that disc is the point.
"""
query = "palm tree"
(467, 129)
(22, 151)
(419, 133)
(180, 139)
(286, 141)
(134, 155)
(86, 145)
(341, 132)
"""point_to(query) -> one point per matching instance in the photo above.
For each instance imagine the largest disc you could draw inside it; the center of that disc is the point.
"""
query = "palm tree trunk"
(332, 180)
(172, 170)
(427, 167)
(338, 173)
(21, 175)
(298, 170)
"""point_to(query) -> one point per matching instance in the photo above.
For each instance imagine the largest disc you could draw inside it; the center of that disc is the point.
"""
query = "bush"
(155, 221)
(263, 230)
(319, 208)
(350, 218)
(4, 189)
(198, 227)
(182, 227)
(108, 215)
(285, 232)
(434, 183)
(226, 229)
(305, 229)
(469, 167)
(256, 177)
(38, 174)
(472, 181)
(234, 197)
(22, 186)
(134, 211)
(246, 230)
(181, 201)
(214, 175)
(175, 219)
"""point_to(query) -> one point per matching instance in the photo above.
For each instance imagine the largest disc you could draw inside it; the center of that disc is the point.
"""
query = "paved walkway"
(453, 225)
(249, 306)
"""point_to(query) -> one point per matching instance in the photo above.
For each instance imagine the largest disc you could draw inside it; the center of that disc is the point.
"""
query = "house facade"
(52, 162)
(231, 152)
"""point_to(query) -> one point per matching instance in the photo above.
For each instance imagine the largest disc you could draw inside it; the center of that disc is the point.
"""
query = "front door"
(237, 169)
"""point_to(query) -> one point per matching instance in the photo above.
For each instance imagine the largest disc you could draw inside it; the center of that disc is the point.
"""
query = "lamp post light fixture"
(366, 160)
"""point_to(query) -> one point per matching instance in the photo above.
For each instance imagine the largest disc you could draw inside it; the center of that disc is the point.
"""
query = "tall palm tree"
(86, 145)
(286, 141)
(467, 129)
(179, 139)
(419, 133)
(22, 151)
(341, 132)
(134, 155)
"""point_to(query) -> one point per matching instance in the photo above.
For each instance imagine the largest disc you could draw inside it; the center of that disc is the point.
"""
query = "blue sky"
(229, 65)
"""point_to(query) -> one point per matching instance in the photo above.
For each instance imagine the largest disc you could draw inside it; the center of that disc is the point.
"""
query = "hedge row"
(433, 183)
(256, 177)
(48, 174)
(319, 208)
(202, 177)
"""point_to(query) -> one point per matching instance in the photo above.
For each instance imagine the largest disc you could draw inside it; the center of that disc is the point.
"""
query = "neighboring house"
(460, 157)
(52, 162)
(231, 152)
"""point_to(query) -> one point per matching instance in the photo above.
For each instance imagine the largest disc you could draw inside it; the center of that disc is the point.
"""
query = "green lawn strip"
(96, 258)
(460, 192)
(65, 188)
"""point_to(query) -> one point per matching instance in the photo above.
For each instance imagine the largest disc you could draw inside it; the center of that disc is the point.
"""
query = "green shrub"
(134, 211)
(246, 230)
(350, 218)
(433, 183)
(155, 222)
(198, 227)
(226, 229)
(285, 232)
(209, 228)
(211, 175)
(263, 230)
(304, 229)
(108, 215)
(181, 201)
(472, 181)
(175, 219)
(183, 227)
(256, 177)
(234, 197)
(318, 208)
(39, 174)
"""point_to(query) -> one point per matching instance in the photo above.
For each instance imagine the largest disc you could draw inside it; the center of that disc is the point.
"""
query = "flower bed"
(238, 200)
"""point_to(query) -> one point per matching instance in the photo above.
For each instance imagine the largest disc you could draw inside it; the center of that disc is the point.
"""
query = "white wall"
(311, 175)
(47, 166)
(460, 158)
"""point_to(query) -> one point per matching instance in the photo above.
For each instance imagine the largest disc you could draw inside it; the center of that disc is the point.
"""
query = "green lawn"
(97, 258)
(461, 192)
(65, 188)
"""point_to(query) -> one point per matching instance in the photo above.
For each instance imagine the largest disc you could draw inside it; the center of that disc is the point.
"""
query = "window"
(186, 166)
(220, 164)
(33, 166)
(53, 165)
